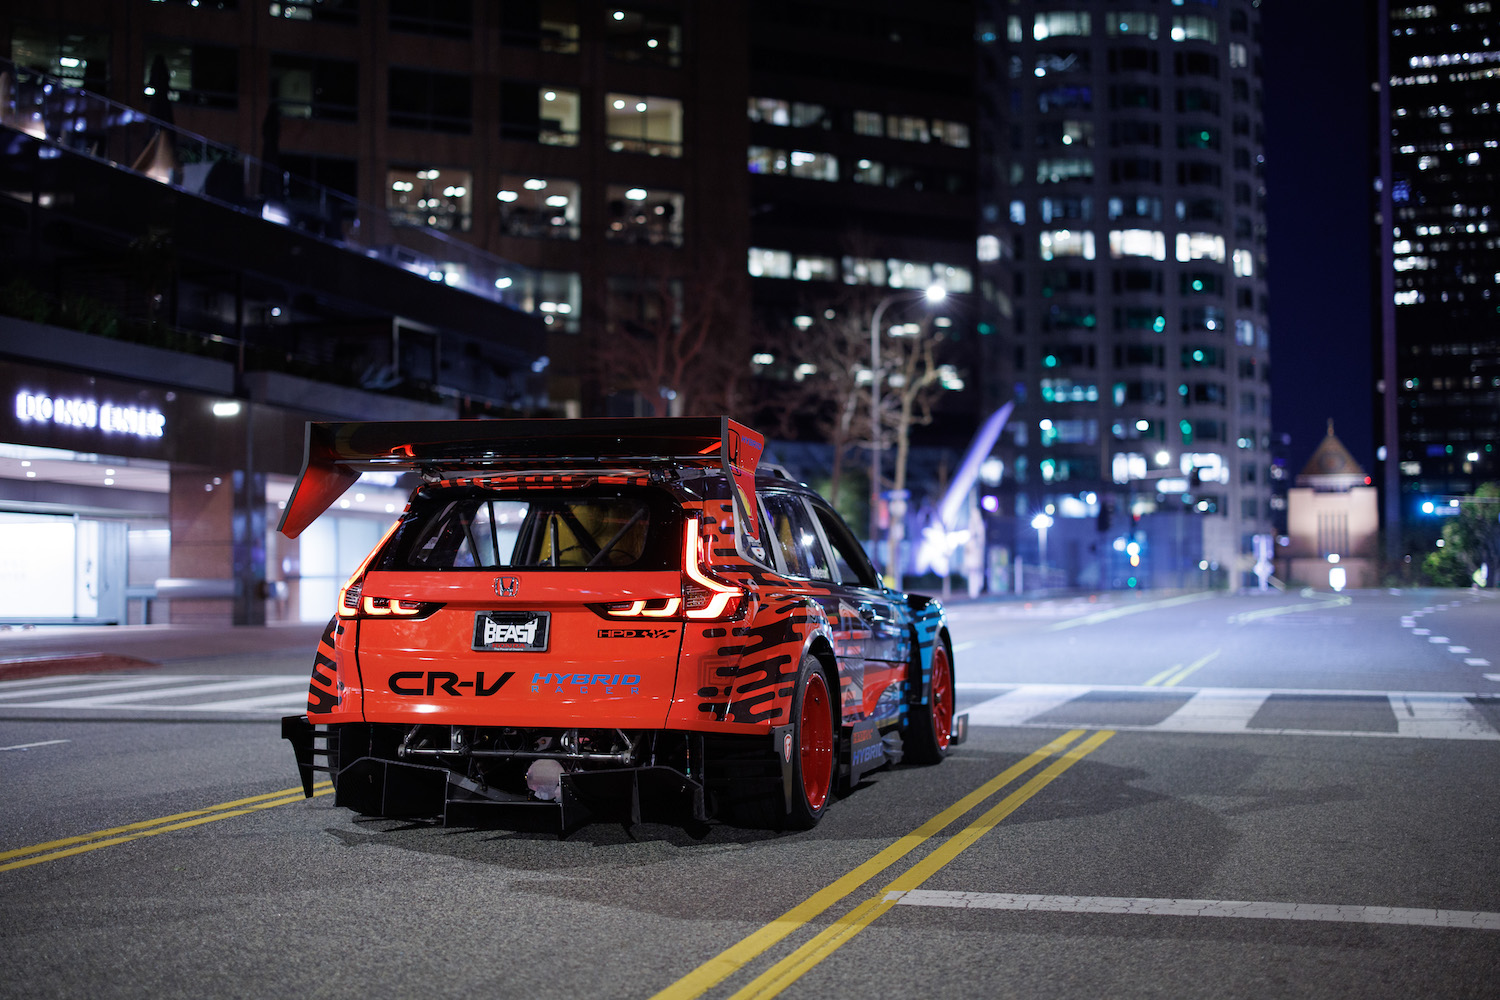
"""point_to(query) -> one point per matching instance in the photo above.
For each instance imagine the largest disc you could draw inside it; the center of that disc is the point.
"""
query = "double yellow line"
(1176, 674)
(69, 846)
(787, 971)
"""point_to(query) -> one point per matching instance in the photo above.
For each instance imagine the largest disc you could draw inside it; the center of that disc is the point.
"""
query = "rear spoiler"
(337, 453)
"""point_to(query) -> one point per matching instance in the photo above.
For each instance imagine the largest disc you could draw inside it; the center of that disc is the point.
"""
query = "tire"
(815, 736)
(930, 731)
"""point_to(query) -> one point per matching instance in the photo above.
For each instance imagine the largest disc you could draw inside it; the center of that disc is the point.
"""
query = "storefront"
(124, 503)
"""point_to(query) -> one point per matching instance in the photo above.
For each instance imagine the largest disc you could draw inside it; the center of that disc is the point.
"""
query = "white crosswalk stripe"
(177, 695)
(1414, 714)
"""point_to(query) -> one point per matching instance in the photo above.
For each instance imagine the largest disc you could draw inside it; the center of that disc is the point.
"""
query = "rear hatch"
(491, 605)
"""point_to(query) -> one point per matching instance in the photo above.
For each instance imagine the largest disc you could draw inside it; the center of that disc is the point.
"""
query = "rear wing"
(337, 453)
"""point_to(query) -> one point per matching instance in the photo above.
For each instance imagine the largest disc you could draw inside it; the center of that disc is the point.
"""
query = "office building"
(1124, 272)
(1439, 338)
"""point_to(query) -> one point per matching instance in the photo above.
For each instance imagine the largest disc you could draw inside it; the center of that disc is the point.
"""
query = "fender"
(333, 692)
(928, 621)
(747, 671)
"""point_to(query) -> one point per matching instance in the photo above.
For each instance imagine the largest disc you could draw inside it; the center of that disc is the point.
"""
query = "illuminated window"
(1239, 55)
(1067, 243)
(1138, 243)
(864, 271)
(1064, 208)
(1209, 319)
(870, 123)
(955, 134)
(1069, 98)
(1060, 22)
(538, 207)
(953, 279)
(558, 297)
(531, 113)
(1055, 171)
(1069, 132)
(868, 172)
(1141, 207)
(769, 263)
(1200, 246)
(430, 197)
(810, 268)
(651, 125)
(643, 215)
(1244, 264)
(1194, 27)
(908, 274)
(772, 111)
(908, 128)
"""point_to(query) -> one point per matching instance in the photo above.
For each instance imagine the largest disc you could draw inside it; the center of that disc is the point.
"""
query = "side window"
(796, 537)
(849, 556)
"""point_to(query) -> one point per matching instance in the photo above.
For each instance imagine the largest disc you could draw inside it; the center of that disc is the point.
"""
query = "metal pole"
(875, 417)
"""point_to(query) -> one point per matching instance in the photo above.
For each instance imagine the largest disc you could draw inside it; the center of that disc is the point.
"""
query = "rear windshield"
(459, 529)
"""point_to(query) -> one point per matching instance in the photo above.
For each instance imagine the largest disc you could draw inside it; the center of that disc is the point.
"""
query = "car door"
(882, 612)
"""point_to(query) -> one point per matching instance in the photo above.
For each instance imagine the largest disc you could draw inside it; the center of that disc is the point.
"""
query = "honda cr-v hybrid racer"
(607, 619)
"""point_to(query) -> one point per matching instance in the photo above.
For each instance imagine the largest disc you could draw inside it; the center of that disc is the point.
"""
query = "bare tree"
(675, 338)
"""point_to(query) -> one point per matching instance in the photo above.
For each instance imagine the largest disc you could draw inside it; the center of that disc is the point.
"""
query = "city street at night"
(1252, 795)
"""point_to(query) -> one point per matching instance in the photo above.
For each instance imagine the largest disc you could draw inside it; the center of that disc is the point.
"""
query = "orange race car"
(620, 619)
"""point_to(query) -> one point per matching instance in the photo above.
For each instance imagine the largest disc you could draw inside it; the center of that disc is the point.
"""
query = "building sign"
(90, 414)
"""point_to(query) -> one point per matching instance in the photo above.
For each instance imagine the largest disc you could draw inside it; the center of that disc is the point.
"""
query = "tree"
(1471, 542)
(675, 338)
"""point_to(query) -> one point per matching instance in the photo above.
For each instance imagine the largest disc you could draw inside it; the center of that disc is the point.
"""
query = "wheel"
(813, 763)
(930, 730)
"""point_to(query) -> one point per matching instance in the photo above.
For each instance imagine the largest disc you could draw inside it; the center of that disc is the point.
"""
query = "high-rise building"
(1124, 271)
(1439, 238)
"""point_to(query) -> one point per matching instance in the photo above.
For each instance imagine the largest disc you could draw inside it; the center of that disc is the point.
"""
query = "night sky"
(1319, 177)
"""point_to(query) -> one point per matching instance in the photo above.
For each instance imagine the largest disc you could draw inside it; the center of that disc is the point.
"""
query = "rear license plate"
(512, 631)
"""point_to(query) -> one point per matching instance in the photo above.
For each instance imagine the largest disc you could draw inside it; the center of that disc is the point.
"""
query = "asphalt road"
(1202, 796)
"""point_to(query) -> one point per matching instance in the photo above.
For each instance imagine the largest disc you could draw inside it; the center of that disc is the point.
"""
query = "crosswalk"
(140, 695)
(1300, 712)
(1411, 714)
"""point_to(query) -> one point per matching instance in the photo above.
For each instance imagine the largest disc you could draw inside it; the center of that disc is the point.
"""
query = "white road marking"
(1479, 661)
(1216, 710)
(1438, 717)
(122, 700)
(28, 746)
(1025, 702)
(1442, 715)
(1488, 677)
(1441, 640)
(1134, 906)
(1421, 631)
(66, 685)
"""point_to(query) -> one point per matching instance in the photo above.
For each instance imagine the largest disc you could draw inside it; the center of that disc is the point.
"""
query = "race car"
(607, 619)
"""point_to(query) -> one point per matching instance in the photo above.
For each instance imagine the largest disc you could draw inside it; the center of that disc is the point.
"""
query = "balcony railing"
(88, 124)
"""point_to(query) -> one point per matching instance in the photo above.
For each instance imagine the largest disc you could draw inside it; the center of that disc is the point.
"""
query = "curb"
(77, 663)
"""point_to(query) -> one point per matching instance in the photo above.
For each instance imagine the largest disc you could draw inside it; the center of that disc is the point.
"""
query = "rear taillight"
(354, 603)
(705, 597)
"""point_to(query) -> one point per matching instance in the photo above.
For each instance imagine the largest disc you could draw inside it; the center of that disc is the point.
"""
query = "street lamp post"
(933, 294)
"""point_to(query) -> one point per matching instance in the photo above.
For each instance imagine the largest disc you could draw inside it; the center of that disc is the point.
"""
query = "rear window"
(469, 529)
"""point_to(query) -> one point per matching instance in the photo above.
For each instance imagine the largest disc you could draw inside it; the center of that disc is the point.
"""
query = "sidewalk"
(50, 650)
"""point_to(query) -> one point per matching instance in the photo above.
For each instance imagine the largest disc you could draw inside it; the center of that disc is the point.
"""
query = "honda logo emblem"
(506, 586)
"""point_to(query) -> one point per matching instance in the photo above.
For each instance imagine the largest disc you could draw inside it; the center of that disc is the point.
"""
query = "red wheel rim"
(815, 729)
(942, 697)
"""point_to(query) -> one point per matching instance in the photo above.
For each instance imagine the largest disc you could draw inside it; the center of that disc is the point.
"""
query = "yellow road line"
(69, 846)
(714, 971)
(1190, 669)
(1130, 609)
(1164, 675)
(784, 973)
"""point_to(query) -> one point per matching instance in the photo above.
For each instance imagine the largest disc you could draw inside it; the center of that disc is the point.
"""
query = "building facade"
(1439, 336)
(1123, 268)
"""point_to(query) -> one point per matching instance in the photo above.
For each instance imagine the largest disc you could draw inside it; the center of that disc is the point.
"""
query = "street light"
(933, 294)
(1041, 523)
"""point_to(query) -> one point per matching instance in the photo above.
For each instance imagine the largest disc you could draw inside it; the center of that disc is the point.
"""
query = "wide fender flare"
(929, 626)
(785, 628)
